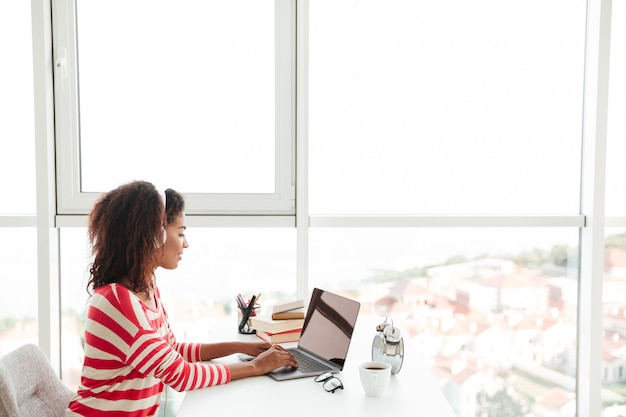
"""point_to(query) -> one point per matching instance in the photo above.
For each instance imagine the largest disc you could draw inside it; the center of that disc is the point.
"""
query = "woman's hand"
(274, 357)
(268, 360)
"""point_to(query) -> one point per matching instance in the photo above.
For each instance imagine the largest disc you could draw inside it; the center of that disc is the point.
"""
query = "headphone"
(164, 198)
(388, 345)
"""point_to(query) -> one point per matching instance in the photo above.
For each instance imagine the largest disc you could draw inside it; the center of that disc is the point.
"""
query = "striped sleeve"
(153, 356)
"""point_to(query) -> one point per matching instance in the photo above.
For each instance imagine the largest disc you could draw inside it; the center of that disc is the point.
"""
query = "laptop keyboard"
(307, 364)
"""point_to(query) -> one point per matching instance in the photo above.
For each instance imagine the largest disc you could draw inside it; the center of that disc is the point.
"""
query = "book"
(288, 315)
(287, 306)
(267, 324)
(282, 337)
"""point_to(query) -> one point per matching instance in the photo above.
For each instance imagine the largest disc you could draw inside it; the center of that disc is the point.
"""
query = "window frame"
(72, 201)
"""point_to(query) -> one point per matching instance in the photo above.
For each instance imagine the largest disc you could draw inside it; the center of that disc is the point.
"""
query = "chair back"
(29, 385)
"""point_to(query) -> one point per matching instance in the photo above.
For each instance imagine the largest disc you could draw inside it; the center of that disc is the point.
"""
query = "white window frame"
(72, 201)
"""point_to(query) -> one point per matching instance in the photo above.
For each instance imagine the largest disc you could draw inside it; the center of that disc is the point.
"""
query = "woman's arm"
(210, 351)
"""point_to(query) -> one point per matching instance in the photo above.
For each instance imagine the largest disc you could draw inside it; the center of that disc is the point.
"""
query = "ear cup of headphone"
(163, 221)
(392, 334)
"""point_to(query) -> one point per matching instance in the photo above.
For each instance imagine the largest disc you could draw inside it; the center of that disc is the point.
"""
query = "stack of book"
(283, 325)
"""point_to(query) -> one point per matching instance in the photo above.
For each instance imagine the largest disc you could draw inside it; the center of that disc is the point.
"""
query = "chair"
(29, 386)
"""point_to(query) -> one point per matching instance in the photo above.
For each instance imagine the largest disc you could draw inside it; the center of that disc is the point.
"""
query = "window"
(446, 109)
(614, 281)
(616, 143)
(17, 132)
(439, 116)
(18, 237)
(18, 299)
(212, 76)
(218, 264)
(441, 143)
(487, 310)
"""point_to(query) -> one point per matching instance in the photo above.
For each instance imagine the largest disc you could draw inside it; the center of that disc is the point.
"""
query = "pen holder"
(243, 319)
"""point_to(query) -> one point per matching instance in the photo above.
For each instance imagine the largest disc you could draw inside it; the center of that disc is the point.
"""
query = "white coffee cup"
(375, 377)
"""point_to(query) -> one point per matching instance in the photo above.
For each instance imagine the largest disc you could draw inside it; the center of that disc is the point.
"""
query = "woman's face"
(175, 242)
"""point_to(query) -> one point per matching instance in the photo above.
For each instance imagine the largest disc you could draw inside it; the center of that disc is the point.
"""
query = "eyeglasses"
(330, 382)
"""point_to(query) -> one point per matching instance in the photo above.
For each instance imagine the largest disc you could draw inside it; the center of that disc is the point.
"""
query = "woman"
(130, 349)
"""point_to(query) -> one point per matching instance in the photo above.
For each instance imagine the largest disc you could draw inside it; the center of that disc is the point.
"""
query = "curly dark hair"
(126, 234)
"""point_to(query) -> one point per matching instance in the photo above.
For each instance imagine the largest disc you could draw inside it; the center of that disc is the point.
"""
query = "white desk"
(412, 392)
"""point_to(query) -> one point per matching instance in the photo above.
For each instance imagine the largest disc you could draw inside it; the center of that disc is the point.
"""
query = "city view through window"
(498, 331)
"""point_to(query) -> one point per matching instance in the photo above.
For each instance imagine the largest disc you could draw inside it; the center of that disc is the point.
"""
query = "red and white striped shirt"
(130, 352)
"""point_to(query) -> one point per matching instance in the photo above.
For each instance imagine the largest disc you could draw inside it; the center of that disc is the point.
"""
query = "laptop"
(325, 338)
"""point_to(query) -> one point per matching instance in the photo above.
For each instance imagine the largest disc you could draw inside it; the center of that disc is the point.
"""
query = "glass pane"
(74, 259)
(179, 92)
(17, 130)
(616, 142)
(614, 283)
(223, 262)
(420, 107)
(18, 305)
(491, 311)
(218, 264)
(614, 322)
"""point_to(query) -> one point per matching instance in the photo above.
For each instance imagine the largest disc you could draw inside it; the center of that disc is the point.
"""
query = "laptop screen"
(330, 321)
